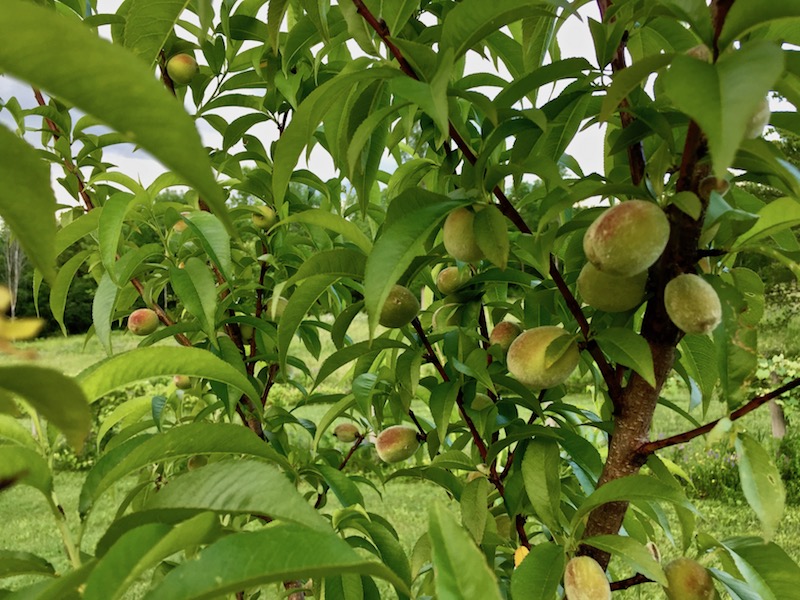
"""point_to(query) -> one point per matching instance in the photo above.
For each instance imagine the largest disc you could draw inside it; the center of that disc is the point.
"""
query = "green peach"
(182, 68)
(265, 218)
(459, 236)
(688, 580)
(627, 238)
(396, 443)
(345, 432)
(450, 279)
(527, 358)
(503, 334)
(400, 308)
(692, 304)
(609, 292)
(273, 310)
(584, 579)
(182, 382)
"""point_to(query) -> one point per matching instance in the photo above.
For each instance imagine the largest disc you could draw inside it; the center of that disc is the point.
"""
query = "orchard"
(411, 166)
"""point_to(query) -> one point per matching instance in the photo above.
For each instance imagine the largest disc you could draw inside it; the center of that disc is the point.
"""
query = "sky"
(574, 37)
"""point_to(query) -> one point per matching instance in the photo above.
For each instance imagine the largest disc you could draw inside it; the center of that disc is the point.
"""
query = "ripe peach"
(400, 308)
(527, 358)
(609, 292)
(142, 321)
(182, 68)
(396, 443)
(503, 334)
(627, 238)
(584, 579)
(345, 432)
(688, 580)
(459, 236)
(692, 304)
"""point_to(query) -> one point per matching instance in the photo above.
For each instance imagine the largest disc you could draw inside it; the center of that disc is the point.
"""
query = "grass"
(30, 528)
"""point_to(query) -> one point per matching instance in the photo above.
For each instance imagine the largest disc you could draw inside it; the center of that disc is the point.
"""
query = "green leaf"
(195, 287)
(342, 262)
(391, 552)
(626, 80)
(146, 363)
(628, 348)
(61, 284)
(459, 566)
(309, 115)
(27, 203)
(148, 26)
(539, 574)
(474, 507)
(746, 16)
(109, 229)
(322, 218)
(299, 304)
(722, 97)
(400, 243)
(105, 299)
(277, 553)
(214, 239)
(350, 353)
(699, 358)
(143, 548)
(761, 483)
(54, 396)
(341, 485)
(106, 81)
(631, 489)
(780, 214)
(25, 466)
(179, 442)
(275, 13)
(765, 564)
(472, 20)
(23, 563)
(491, 233)
(540, 473)
(239, 486)
(632, 552)
(11, 430)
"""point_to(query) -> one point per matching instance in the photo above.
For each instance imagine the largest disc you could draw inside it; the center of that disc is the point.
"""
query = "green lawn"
(29, 526)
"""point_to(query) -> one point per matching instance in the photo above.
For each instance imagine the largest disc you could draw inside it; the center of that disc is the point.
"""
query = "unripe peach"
(701, 52)
(758, 121)
(196, 461)
(688, 580)
(400, 308)
(473, 475)
(396, 443)
(182, 68)
(609, 292)
(459, 236)
(450, 279)
(527, 358)
(584, 579)
(246, 332)
(712, 184)
(503, 334)
(627, 238)
(142, 321)
(692, 304)
(265, 218)
(180, 225)
(345, 432)
(182, 382)
(273, 311)
(481, 401)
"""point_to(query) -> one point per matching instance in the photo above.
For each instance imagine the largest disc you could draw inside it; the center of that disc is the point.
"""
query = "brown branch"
(434, 358)
(519, 522)
(353, 448)
(624, 584)
(649, 448)
(165, 78)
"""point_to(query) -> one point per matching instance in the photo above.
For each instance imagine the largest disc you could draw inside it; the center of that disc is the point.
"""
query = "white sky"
(574, 37)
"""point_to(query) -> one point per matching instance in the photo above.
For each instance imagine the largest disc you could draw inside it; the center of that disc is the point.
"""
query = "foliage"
(417, 130)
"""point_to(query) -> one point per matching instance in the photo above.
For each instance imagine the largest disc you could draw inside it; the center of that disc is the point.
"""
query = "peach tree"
(492, 271)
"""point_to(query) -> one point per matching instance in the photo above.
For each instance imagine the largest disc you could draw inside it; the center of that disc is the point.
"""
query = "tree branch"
(624, 584)
(649, 448)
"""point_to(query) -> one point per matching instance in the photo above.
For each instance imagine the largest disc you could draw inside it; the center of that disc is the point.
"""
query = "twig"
(353, 448)
(624, 584)
(649, 448)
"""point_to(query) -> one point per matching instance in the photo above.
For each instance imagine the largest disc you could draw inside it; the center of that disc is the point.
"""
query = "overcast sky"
(574, 38)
